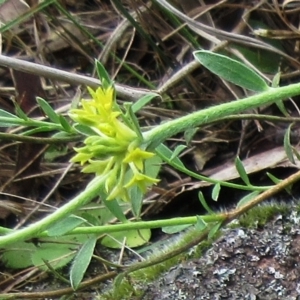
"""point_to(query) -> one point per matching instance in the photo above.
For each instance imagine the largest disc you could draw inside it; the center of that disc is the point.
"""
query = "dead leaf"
(266, 160)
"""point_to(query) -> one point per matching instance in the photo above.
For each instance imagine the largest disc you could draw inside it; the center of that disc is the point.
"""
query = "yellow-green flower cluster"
(112, 151)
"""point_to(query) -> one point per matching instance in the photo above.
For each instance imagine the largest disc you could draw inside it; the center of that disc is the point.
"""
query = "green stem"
(211, 180)
(144, 225)
(29, 122)
(135, 225)
(33, 230)
(160, 133)
(39, 140)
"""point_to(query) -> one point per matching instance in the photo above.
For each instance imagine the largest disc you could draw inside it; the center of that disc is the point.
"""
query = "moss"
(260, 215)
(125, 290)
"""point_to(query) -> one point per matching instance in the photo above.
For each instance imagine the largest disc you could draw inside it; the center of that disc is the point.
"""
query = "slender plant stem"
(39, 140)
(160, 133)
(181, 168)
(142, 225)
(14, 121)
(33, 230)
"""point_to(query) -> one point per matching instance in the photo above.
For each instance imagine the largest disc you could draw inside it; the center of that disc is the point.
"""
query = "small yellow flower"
(138, 156)
(113, 149)
(99, 167)
(81, 157)
(103, 99)
(142, 181)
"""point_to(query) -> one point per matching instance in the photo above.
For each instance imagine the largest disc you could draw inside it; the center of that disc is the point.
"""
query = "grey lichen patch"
(246, 263)
(253, 258)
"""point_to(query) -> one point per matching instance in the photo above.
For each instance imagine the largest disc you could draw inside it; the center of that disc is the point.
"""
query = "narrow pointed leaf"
(114, 207)
(277, 180)
(48, 110)
(242, 172)
(177, 151)
(216, 191)
(214, 230)
(273, 178)
(282, 108)
(81, 262)
(247, 198)
(20, 113)
(287, 145)
(142, 102)
(103, 75)
(65, 124)
(163, 151)
(189, 134)
(65, 225)
(174, 229)
(201, 224)
(231, 70)
(5, 114)
(204, 203)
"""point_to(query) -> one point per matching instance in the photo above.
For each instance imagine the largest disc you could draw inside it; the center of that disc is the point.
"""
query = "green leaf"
(216, 191)
(177, 151)
(83, 129)
(152, 167)
(273, 178)
(133, 238)
(263, 60)
(20, 113)
(175, 229)
(277, 180)
(114, 207)
(287, 145)
(57, 254)
(103, 75)
(65, 124)
(118, 280)
(214, 230)
(242, 172)
(297, 154)
(65, 225)
(189, 134)
(56, 251)
(6, 114)
(166, 152)
(131, 120)
(99, 214)
(37, 130)
(282, 108)
(201, 224)
(48, 110)
(204, 203)
(55, 151)
(136, 199)
(138, 105)
(18, 255)
(82, 261)
(247, 198)
(276, 80)
(231, 70)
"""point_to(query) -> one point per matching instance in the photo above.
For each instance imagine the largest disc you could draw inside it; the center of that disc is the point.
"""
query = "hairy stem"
(36, 228)
(160, 133)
